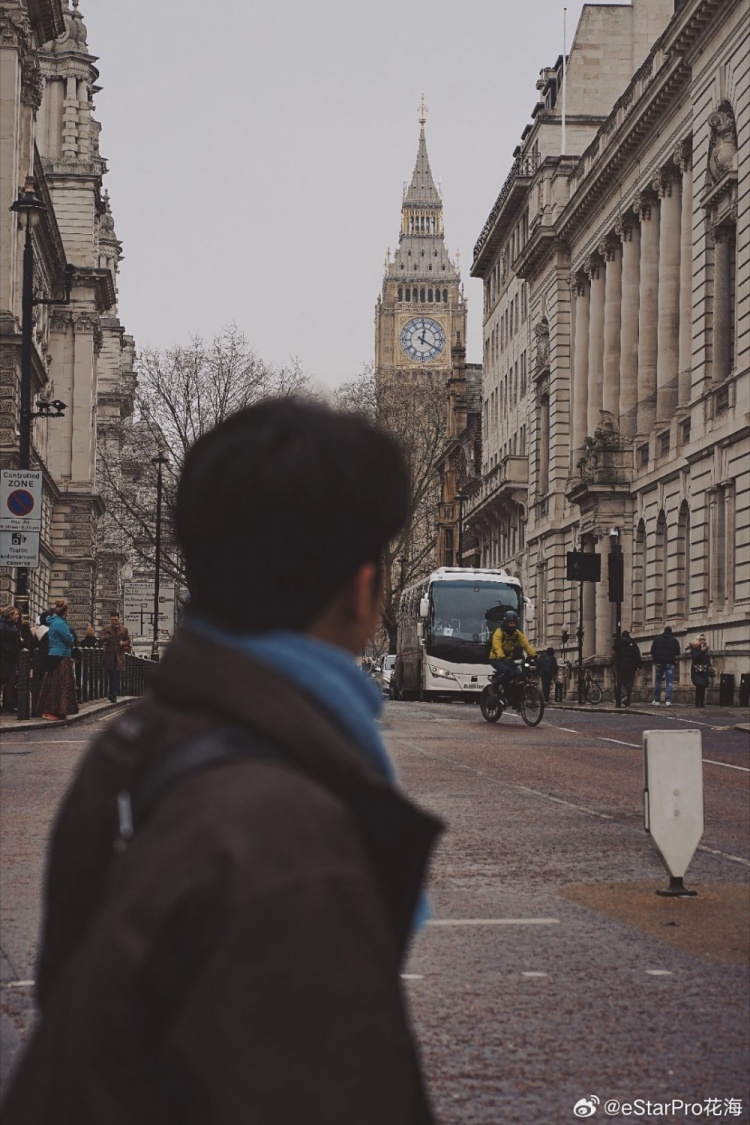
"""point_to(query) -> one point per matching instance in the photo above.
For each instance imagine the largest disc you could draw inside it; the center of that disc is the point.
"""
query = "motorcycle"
(518, 693)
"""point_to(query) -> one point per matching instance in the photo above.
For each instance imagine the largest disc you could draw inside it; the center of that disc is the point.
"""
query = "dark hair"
(279, 505)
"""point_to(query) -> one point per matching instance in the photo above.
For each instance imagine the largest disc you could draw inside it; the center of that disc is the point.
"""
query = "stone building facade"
(632, 250)
(49, 142)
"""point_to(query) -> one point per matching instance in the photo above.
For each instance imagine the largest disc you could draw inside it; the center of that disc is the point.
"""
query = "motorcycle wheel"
(532, 705)
(490, 706)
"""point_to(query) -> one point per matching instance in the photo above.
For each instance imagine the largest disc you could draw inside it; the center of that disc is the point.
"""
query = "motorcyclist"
(505, 641)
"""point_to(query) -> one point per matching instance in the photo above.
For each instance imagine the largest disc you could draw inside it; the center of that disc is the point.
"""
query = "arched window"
(437, 294)
(408, 293)
(421, 294)
(429, 295)
(400, 293)
(683, 561)
(660, 569)
(445, 296)
(639, 558)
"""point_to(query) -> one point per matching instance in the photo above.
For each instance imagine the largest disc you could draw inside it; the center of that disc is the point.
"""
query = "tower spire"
(422, 112)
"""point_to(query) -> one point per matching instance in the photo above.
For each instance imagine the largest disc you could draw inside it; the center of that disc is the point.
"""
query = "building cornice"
(46, 18)
(507, 205)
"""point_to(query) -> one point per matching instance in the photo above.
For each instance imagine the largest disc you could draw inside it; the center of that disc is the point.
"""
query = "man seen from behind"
(234, 876)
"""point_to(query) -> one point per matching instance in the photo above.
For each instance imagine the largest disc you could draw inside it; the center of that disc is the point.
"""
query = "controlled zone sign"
(20, 500)
(19, 548)
(138, 609)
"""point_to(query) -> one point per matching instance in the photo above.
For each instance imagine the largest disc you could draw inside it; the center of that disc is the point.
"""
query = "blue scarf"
(331, 676)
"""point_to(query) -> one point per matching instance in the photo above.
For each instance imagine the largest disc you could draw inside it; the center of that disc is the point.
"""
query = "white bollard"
(673, 799)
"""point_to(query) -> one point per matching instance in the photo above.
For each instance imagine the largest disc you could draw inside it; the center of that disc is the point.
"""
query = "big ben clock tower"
(421, 307)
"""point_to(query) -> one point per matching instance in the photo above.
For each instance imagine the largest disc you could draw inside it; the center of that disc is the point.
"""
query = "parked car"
(383, 673)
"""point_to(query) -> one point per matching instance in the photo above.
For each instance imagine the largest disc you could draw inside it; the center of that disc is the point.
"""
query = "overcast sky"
(257, 154)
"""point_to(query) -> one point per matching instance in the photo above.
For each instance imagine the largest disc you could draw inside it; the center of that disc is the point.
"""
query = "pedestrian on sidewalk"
(700, 668)
(548, 669)
(627, 661)
(664, 652)
(39, 654)
(58, 698)
(116, 643)
(10, 651)
(239, 958)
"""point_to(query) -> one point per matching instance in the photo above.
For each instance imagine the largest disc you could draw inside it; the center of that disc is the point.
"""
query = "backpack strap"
(209, 751)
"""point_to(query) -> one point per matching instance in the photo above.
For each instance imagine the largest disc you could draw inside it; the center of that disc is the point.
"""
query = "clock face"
(422, 339)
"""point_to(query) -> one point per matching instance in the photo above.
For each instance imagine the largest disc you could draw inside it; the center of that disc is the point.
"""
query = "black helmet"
(511, 618)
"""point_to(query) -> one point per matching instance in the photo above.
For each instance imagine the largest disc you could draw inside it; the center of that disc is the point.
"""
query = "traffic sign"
(138, 609)
(20, 500)
(19, 548)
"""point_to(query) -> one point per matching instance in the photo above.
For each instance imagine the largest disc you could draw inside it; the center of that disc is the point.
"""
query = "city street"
(551, 972)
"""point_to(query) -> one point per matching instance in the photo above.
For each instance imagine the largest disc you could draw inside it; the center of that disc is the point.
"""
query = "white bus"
(444, 630)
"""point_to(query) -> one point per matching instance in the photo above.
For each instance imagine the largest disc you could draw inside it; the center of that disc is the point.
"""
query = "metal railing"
(92, 678)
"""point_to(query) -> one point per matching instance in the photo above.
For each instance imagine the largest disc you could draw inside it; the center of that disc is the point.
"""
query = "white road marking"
(569, 730)
(49, 742)
(710, 762)
(724, 855)
(637, 745)
(20, 984)
(658, 972)
(493, 922)
(499, 781)
(411, 976)
(533, 974)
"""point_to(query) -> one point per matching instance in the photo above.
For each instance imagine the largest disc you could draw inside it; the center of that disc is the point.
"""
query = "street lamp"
(616, 591)
(461, 497)
(159, 461)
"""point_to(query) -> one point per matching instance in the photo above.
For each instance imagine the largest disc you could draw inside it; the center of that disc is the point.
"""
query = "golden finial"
(422, 111)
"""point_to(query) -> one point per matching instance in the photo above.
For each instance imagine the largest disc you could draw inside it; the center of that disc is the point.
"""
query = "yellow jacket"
(503, 644)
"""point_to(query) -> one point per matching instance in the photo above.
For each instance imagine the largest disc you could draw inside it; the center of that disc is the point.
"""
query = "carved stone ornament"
(662, 182)
(608, 248)
(722, 147)
(60, 320)
(624, 227)
(86, 322)
(683, 155)
(592, 266)
(541, 332)
(642, 205)
(15, 29)
(32, 82)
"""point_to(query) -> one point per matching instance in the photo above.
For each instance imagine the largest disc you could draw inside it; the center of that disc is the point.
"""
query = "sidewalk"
(97, 707)
(737, 718)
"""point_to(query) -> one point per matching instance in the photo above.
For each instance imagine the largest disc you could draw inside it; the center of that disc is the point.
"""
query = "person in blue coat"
(57, 699)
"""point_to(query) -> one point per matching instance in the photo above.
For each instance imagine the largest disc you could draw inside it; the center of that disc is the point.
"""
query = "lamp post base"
(677, 889)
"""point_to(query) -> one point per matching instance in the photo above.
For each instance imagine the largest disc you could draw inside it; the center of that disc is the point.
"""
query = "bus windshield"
(458, 626)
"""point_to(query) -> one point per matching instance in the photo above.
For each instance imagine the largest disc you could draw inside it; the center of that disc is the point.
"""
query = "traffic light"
(583, 567)
(616, 568)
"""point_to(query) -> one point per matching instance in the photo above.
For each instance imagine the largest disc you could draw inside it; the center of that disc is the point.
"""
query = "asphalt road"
(564, 977)
(551, 971)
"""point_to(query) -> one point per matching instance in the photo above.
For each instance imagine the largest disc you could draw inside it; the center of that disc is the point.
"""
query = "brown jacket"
(239, 962)
(116, 642)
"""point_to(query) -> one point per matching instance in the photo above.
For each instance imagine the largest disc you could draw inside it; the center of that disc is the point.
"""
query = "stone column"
(629, 233)
(722, 321)
(610, 252)
(580, 371)
(589, 605)
(648, 312)
(683, 160)
(595, 270)
(668, 188)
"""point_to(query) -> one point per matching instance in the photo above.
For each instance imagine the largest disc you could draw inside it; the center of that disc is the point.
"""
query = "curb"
(49, 724)
(610, 709)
